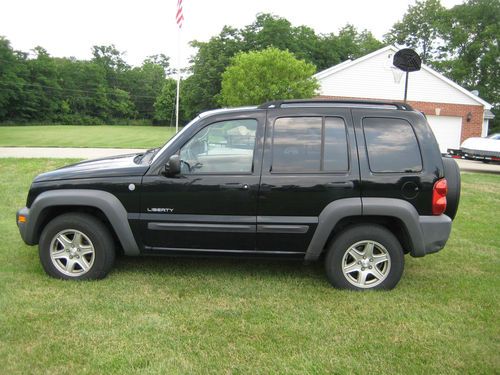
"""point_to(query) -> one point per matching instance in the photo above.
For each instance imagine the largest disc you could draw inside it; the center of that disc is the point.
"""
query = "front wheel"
(365, 256)
(76, 246)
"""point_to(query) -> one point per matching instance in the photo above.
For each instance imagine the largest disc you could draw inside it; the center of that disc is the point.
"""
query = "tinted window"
(392, 145)
(222, 147)
(306, 144)
(335, 151)
(297, 144)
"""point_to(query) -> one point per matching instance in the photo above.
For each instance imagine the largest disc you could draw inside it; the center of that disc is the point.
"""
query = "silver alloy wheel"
(366, 264)
(72, 252)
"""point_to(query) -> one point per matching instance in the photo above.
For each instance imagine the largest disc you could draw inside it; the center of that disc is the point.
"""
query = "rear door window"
(297, 144)
(392, 145)
(335, 157)
(309, 144)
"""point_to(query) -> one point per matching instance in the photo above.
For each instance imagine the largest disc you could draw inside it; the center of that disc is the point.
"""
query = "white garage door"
(447, 130)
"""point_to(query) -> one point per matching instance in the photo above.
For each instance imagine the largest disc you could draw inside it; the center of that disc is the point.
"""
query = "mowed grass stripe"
(161, 315)
(85, 136)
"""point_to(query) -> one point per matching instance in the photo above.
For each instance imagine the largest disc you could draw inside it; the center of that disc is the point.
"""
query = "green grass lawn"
(85, 136)
(164, 316)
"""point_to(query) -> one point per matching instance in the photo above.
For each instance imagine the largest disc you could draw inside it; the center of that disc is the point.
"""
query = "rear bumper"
(24, 226)
(435, 232)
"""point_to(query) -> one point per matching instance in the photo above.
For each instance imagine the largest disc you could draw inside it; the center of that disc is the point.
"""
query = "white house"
(453, 112)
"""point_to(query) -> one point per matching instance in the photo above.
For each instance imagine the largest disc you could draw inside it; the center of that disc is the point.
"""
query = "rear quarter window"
(391, 145)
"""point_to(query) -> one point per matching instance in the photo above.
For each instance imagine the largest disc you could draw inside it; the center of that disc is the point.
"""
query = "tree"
(165, 102)
(259, 76)
(42, 88)
(321, 50)
(112, 60)
(202, 88)
(144, 84)
(11, 82)
(472, 51)
(461, 42)
(351, 44)
(471, 54)
(120, 105)
(160, 59)
(82, 83)
(420, 28)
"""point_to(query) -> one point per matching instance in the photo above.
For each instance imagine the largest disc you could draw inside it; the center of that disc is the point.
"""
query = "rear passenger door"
(309, 161)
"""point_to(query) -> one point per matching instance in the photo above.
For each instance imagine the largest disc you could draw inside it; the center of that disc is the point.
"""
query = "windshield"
(174, 138)
(495, 136)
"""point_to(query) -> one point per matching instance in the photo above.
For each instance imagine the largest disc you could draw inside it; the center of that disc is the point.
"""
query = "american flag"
(179, 17)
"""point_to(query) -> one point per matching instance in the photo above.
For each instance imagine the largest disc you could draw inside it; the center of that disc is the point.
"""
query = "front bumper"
(24, 226)
(435, 232)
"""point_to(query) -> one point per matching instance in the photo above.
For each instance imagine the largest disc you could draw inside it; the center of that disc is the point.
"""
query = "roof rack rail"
(337, 103)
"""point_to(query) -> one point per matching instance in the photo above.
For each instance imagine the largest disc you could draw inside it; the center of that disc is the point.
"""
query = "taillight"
(439, 196)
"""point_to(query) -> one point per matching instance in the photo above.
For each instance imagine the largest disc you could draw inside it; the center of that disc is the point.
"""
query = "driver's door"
(211, 204)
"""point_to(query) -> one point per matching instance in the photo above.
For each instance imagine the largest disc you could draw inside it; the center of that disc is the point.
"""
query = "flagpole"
(179, 17)
(178, 80)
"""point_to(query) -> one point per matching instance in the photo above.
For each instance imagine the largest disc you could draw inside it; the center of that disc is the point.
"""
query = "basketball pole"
(406, 85)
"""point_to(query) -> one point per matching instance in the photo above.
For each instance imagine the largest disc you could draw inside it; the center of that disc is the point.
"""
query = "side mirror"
(173, 166)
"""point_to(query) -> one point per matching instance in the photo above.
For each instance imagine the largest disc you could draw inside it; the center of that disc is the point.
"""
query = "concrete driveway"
(477, 166)
(95, 153)
(64, 152)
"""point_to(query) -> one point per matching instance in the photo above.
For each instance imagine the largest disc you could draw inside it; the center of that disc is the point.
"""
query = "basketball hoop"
(407, 60)
(397, 74)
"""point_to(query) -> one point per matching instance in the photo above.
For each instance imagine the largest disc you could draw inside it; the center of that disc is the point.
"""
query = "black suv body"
(361, 182)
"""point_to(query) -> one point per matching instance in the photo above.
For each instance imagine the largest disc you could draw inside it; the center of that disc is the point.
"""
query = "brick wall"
(470, 128)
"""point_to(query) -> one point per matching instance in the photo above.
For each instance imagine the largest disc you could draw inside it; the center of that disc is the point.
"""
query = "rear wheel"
(365, 256)
(76, 246)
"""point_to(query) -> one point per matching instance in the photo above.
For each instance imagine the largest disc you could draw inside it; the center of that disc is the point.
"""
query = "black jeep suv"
(355, 183)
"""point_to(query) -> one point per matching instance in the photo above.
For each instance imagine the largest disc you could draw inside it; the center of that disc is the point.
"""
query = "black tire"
(392, 269)
(103, 255)
(452, 175)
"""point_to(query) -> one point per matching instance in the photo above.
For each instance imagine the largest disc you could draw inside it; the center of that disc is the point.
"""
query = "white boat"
(486, 149)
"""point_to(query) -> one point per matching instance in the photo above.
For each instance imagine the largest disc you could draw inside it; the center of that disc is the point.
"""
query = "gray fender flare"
(389, 207)
(403, 211)
(328, 218)
(102, 200)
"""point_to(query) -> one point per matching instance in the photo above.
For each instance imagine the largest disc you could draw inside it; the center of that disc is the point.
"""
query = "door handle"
(342, 185)
(234, 186)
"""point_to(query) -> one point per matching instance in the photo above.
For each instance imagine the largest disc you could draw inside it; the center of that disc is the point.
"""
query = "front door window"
(222, 147)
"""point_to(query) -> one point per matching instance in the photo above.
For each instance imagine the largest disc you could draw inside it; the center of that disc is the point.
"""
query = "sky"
(147, 27)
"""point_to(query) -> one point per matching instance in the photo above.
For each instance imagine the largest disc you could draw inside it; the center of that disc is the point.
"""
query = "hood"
(116, 166)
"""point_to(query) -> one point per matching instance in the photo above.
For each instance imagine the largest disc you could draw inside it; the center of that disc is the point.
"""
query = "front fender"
(102, 200)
